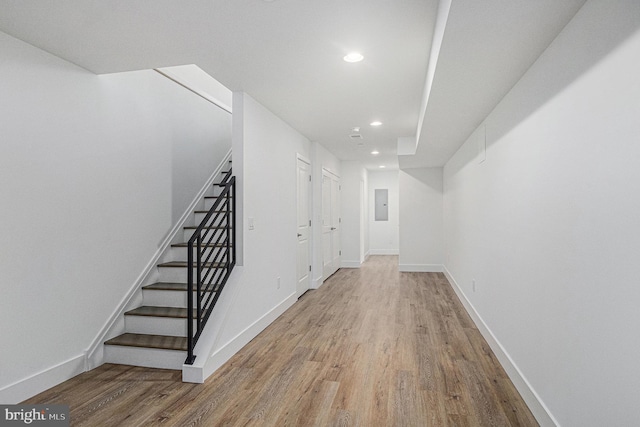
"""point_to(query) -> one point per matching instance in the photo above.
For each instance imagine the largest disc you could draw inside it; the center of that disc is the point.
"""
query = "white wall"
(269, 187)
(548, 227)
(264, 153)
(353, 207)
(384, 235)
(94, 172)
(421, 222)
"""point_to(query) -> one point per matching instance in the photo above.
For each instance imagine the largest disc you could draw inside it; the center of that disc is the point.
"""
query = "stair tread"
(193, 227)
(167, 286)
(204, 212)
(148, 310)
(183, 264)
(150, 341)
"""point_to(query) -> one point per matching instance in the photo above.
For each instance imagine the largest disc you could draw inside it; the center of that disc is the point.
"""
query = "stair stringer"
(210, 353)
(94, 354)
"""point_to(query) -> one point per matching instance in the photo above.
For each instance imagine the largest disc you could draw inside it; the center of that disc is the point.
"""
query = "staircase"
(162, 332)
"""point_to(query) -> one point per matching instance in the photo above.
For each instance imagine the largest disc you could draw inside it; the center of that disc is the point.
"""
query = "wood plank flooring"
(371, 347)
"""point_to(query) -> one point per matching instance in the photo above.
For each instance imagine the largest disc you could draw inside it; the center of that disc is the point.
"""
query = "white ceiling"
(287, 54)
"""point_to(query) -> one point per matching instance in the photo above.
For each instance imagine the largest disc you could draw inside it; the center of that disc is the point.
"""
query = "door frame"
(300, 158)
(335, 263)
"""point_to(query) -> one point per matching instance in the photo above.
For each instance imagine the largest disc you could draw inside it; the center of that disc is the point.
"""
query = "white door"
(330, 224)
(362, 221)
(304, 227)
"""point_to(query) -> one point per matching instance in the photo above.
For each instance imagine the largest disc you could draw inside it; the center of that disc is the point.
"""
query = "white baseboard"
(532, 399)
(41, 381)
(383, 252)
(316, 283)
(421, 268)
(350, 264)
(193, 374)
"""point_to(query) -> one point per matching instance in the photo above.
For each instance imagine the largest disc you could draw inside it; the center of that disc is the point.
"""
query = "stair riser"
(177, 275)
(148, 357)
(152, 325)
(180, 254)
(200, 216)
(209, 201)
(162, 298)
(188, 232)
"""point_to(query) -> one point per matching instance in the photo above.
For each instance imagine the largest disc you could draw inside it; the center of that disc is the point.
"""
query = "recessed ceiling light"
(375, 152)
(376, 123)
(353, 57)
(382, 166)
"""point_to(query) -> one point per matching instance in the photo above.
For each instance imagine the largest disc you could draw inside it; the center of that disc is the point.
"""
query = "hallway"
(371, 347)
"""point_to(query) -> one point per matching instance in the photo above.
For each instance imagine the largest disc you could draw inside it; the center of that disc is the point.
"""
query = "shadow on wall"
(420, 174)
(619, 20)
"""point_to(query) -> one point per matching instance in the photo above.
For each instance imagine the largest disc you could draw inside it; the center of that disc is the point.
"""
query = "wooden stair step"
(184, 264)
(147, 310)
(204, 212)
(167, 286)
(150, 341)
(217, 227)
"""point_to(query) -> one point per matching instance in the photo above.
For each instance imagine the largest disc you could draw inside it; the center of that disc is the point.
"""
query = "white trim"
(421, 268)
(316, 283)
(91, 361)
(529, 395)
(303, 158)
(173, 77)
(384, 252)
(197, 374)
(330, 172)
(41, 381)
(351, 264)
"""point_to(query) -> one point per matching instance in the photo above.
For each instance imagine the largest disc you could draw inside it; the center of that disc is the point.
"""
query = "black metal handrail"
(211, 257)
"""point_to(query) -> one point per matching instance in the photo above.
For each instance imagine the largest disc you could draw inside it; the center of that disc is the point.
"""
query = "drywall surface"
(547, 224)
(94, 172)
(269, 150)
(383, 235)
(421, 221)
(353, 205)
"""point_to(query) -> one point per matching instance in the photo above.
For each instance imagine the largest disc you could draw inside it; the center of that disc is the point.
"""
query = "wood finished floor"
(371, 347)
